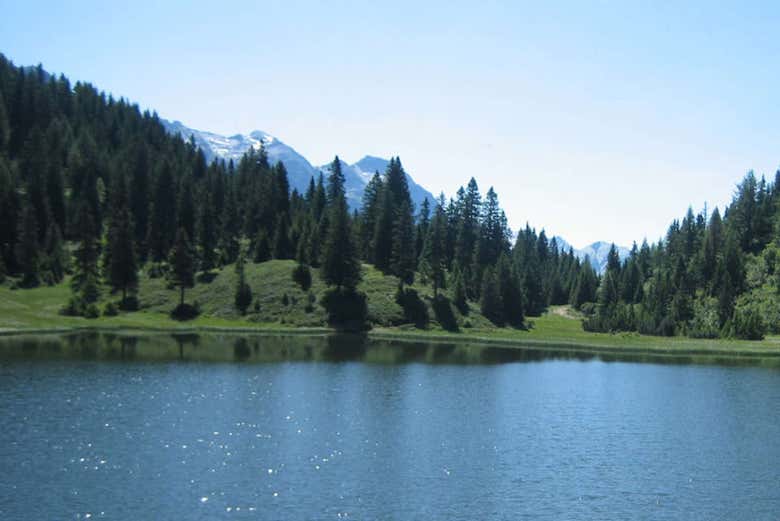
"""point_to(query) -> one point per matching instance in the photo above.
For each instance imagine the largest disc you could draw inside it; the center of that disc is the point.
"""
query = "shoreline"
(653, 346)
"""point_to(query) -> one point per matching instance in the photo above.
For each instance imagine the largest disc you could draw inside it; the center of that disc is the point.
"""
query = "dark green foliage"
(262, 247)
(243, 296)
(415, 310)
(110, 309)
(458, 289)
(340, 265)
(85, 281)
(346, 308)
(302, 276)
(121, 257)
(403, 259)
(491, 304)
(182, 265)
(27, 249)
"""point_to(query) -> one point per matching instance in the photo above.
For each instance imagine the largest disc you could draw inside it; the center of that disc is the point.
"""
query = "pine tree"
(122, 265)
(432, 263)
(243, 296)
(186, 208)
(372, 195)
(491, 305)
(511, 294)
(85, 281)
(182, 263)
(340, 266)
(162, 224)
(282, 247)
(27, 250)
(262, 247)
(207, 234)
(403, 259)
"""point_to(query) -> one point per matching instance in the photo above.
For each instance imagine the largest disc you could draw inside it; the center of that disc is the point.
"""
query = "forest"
(94, 191)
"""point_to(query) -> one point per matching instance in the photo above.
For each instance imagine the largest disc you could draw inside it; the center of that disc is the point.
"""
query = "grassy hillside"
(277, 302)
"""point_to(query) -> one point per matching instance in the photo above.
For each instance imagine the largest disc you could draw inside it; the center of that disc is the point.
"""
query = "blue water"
(83, 438)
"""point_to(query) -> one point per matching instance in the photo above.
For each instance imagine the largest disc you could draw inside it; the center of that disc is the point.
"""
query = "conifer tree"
(182, 263)
(403, 259)
(432, 263)
(162, 224)
(243, 297)
(340, 266)
(85, 281)
(207, 234)
(511, 294)
(122, 265)
(491, 304)
(27, 250)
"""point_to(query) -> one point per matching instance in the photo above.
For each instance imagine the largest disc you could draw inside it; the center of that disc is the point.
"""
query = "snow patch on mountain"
(299, 169)
(596, 252)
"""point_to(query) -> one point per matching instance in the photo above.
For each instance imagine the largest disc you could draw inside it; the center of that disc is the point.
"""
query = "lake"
(238, 427)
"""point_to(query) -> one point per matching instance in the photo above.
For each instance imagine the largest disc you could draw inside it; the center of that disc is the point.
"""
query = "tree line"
(711, 276)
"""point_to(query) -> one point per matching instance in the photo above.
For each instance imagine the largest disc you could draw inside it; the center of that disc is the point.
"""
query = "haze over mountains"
(356, 175)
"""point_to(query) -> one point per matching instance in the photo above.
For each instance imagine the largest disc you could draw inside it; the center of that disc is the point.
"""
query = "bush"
(415, 310)
(347, 309)
(129, 303)
(185, 311)
(91, 311)
(705, 323)
(110, 310)
(157, 270)
(74, 307)
(285, 300)
(243, 298)
(302, 276)
(748, 324)
(310, 300)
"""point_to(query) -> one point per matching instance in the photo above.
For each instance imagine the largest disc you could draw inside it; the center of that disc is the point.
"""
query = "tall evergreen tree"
(122, 266)
(182, 263)
(340, 266)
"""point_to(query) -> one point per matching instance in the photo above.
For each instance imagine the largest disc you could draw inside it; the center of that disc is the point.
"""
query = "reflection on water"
(265, 348)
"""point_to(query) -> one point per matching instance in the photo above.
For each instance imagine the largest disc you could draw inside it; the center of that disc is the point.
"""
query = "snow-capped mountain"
(358, 175)
(596, 252)
(299, 169)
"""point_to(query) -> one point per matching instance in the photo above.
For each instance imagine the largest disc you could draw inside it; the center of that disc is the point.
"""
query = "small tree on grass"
(243, 290)
(182, 263)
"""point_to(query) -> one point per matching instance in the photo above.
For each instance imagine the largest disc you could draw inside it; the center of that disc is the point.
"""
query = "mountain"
(359, 174)
(299, 169)
(597, 252)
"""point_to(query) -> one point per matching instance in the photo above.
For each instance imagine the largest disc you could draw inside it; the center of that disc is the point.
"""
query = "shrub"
(110, 310)
(185, 311)
(705, 323)
(243, 297)
(91, 311)
(74, 307)
(748, 324)
(302, 276)
(157, 270)
(347, 309)
(129, 303)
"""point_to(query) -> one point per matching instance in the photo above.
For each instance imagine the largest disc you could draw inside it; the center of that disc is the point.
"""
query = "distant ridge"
(299, 169)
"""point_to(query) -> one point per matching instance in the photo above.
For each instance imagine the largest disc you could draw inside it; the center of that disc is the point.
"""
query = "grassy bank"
(280, 306)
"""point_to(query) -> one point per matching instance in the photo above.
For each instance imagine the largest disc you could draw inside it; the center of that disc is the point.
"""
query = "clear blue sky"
(595, 120)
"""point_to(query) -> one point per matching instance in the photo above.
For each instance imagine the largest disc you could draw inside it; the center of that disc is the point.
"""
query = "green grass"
(27, 310)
